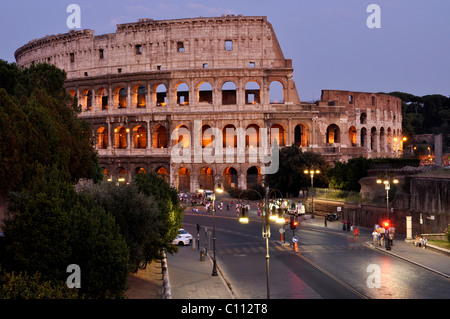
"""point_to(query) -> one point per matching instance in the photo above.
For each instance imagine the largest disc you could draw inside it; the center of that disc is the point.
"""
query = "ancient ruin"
(157, 88)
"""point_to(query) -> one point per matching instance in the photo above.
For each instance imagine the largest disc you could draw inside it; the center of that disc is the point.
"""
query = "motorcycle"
(332, 217)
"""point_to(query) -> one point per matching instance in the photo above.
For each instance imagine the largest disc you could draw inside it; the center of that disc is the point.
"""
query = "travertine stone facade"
(152, 82)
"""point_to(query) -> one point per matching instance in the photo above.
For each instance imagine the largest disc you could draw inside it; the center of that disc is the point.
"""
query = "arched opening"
(363, 118)
(159, 137)
(252, 136)
(333, 134)
(207, 136)
(140, 137)
(254, 176)
(252, 93)
(277, 132)
(382, 140)
(301, 135)
(184, 180)
(102, 138)
(352, 135)
(229, 136)
(163, 173)
(120, 137)
(103, 99)
(121, 174)
(228, 93)
(88, 98)
(122, 98)
(373, 139)
(139, 96)
(276, 91)
(182, 94)
(230, 178)
(363, 137)
(161, 95)
(140, 170)
(206, 178)
(182, 136)
(205, 93)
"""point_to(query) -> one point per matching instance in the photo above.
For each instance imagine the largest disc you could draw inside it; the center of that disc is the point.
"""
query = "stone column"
(409, 237)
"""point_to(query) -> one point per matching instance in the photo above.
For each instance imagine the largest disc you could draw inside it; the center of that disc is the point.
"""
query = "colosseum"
(155, 88)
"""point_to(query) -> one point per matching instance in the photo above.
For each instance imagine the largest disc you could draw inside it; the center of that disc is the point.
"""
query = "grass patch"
(440, 243)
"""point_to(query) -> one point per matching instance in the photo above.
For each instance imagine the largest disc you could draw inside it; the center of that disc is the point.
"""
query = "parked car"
(183, 238)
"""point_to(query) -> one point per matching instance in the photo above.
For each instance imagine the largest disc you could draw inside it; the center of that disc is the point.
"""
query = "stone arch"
(229, 96)
(205, 92)
(276, 92)
(206, 178)
(301, 135)
(102, 138)
(139, 96)
(352, 133)
(254, 176)
(184, 180)
(252, 136)
(160, 136)
(120, 137)
(182, 135)
(182, 94)
(333, 134)
(160, 92)
(252, 92)
(230, 178)
(229, 136)
(278, 132)
(140, 137)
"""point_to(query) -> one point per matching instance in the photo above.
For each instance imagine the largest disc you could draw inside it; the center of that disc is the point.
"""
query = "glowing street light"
(312, 172)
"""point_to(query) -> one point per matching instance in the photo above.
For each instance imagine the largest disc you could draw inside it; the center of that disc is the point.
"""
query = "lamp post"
(219, 189)
(312, 172)
(265, 228)
(387, 186)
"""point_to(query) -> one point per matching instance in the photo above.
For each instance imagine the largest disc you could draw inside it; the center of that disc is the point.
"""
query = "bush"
(24, 286)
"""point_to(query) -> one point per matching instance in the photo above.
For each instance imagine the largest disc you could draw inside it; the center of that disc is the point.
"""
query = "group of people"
(380, 234)
(420, 241)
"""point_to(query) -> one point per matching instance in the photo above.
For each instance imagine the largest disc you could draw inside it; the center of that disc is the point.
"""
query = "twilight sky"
(329, 41)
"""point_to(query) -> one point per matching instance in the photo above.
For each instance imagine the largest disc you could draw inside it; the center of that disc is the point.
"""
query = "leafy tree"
(346, 176)
(51, 226)
(289, 178)
(38, 126)
(137, 216)
(170, 210)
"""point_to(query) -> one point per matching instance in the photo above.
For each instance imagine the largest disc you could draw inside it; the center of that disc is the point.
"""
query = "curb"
(167, 292)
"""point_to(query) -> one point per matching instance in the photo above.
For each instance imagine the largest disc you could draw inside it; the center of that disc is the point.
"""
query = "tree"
(170, 210)
(137, 216)
(38, 126)
(51, 226)
(346, 175)
(289, 178)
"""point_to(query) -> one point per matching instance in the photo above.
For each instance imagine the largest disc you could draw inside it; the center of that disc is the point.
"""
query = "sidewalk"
(191, 278)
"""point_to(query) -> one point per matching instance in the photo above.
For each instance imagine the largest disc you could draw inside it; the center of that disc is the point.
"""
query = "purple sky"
(328, 40)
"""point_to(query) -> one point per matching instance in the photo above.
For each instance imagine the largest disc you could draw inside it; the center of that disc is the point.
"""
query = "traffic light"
(294, 223)
(386, 224)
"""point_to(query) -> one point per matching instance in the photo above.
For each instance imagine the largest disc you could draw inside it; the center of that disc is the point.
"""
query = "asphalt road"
(329, 264)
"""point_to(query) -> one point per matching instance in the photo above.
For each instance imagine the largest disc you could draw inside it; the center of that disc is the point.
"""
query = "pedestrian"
(344, 223)
(391, 238)
(348, 225)
(424, 242)
(375, 237)
(325, 220)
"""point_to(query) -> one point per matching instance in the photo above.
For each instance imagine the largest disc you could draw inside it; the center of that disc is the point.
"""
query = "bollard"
(202, 255)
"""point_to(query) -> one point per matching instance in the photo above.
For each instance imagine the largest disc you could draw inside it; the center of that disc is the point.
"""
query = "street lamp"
(387, 186)
(265, 227)
(218, 189)
(312, 172)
